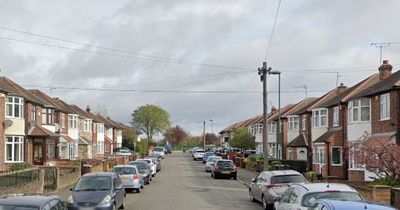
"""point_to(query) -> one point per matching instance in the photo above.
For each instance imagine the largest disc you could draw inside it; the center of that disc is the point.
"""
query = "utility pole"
(204, 134)
(381, 45)
(280, 139)
(263, 72)
(212, 126)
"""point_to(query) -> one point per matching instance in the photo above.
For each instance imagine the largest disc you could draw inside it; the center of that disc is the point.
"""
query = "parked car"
(122, 151)
(303, 196)
(223, 168)
(32, 202)
(194, 149)
(152, 165)
(156, 160)
(210, 162)
(206, 155)
(144, 169)
(347, 205)
(198, 155)
(270, 184)
(160, 151)
(130, 177)
(102, 190)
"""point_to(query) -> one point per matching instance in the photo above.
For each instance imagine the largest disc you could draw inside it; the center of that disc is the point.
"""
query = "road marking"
(200, 188)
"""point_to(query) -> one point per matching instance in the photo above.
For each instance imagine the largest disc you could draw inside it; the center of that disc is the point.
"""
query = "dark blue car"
(31, 203)
(98, 191)
(347, 205)
(206, 155)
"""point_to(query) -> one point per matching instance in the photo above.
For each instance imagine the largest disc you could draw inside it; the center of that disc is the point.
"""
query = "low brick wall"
(377, 193)
(67, 176)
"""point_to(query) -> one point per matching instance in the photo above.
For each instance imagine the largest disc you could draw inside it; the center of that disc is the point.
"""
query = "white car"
(159, 151)
(303, 196)
(152, 165)
(198, 155)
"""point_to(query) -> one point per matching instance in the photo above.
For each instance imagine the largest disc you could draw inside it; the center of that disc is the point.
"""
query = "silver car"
(131, 178)
(210, 161)
(269, 185)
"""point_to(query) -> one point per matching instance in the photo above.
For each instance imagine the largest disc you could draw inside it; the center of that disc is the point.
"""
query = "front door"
(38, 158)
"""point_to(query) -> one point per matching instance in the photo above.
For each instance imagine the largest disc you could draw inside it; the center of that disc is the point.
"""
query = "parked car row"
(288, 189)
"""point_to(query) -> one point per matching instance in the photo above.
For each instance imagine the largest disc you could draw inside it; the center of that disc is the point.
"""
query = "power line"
(273, 31)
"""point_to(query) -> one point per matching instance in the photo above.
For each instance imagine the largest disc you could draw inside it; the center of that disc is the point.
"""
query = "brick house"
(294, 141)
(85, 126)
(108, 135)
(381, 121)
(117, 132)
(97, 134)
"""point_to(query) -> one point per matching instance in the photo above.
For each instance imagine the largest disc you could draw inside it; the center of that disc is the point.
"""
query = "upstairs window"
(271, 127)
(385, 106)
(359, 110)
(304, 122)
(33, 115)
(335, 114)
(47, 116)
(88, 125)
(320, 118)
(293, 123)
(259, 127)
(72, 121)
(14, 107)
(100, 128)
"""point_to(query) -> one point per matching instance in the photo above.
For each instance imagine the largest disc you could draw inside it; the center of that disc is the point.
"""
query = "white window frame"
(260, 128)
(100, 128)
(14, 105)
(318, 118)
(72, 121)
(335, 115)
(16, 140)
(320, 155)
(384, 106)
(87, 127)
(352, 109)
(340, 155)
(271, 127)
(304, 122)
(293, 123)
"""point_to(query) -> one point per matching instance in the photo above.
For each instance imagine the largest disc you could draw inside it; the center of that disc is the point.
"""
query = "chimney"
(341, 88)
(385, 70)
(87, 108)
(273, 109)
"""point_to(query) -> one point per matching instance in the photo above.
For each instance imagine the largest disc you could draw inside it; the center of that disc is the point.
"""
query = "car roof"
(339, 204)
(318, 187)
(125, 166)
(31, 200)
(224, 160)
(101, 174)
(137, 161)
(282, 172)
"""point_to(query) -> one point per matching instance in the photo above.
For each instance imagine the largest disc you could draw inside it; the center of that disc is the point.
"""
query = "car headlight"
(106, 201)
(70, 199)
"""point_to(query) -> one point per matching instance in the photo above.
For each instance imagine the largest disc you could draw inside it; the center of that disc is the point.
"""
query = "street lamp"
(212, 126)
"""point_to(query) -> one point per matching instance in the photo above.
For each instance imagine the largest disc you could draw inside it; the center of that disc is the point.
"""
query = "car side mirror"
(277, 199)
(253, 180)
(71, 189)
(119, 187)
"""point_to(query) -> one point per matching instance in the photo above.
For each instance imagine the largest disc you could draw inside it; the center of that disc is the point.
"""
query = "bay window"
(271, 127)
(14, 107)
(319, 118)
(293, 123)
(47, 116)
(336, 154)
(259, 127)
(359, 110)
(335, 114)
(100, 128)
(385, 106)
(72, 121)
(14, 149)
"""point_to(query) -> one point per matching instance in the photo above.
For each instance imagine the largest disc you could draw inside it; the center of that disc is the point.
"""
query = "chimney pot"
(88, 108)
(385, 70)
(341, 88)
(273, 109)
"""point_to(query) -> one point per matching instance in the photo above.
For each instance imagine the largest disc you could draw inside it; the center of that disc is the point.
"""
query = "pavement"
(183, 184)
(244, 176)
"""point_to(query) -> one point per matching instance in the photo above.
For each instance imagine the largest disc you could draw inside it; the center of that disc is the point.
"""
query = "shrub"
(310, 176)
(388, 180)
(20, 166)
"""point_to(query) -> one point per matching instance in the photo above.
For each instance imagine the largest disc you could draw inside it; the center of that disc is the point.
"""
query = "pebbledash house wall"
(2, 135)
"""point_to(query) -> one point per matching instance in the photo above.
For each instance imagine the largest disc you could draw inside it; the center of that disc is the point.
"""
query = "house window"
(109, 132)
(14, 149)
(33, 115)
(260, 128)
(336, 156)
(226, 139)
(335, 116)
(271, 127)
(304, 123)
(88, 125)
(320, 158)
(293, 123)
(320, 118)
(100, 128)
(47, 116)
(385, 106)
(62, 122)
(14, 107)
(72, 121)
(106, 148)
(359, 110)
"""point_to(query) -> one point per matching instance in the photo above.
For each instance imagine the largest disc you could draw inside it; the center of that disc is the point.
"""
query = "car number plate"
(86, 208)
(226, 172)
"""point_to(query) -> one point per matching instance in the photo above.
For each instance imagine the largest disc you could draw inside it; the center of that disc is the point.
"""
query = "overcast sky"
(150, 39)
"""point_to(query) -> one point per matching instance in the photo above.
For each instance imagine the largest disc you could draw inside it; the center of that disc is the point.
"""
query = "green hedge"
(297, 165)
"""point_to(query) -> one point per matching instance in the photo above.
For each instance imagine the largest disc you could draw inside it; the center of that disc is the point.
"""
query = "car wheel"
(123, 205)
(266, 206)
(212, 174)
(235, 177)
(215, 176)
(114, 207)
(251, 196)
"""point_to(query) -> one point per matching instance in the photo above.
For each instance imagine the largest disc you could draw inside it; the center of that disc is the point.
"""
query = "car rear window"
(296, 178)
(88, 183)
(8, 207)
(201, 151)
(310, 198)
(159, 149)
(225, 163)
(124, 170)
(140, 165)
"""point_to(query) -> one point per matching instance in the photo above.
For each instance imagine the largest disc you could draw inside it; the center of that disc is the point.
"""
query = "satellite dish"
(57, 127)
(7, 123)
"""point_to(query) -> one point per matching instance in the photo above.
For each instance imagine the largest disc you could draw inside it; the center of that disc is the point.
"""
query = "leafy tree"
(213, 139)
(129, 137)
(242, 139)
(195, 141)
(176, 135)
(150, 120)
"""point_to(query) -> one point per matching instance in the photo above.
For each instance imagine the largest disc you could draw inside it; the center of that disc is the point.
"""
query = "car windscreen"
(158, 149)
(310, 198)
(10, 207)
(88, 183)
(212, 159)
(200, 151)
(124, 170)
(209, 153)
(294, 178)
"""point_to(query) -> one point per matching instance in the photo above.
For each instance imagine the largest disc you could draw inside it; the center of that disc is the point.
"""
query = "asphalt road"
(184, 184)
